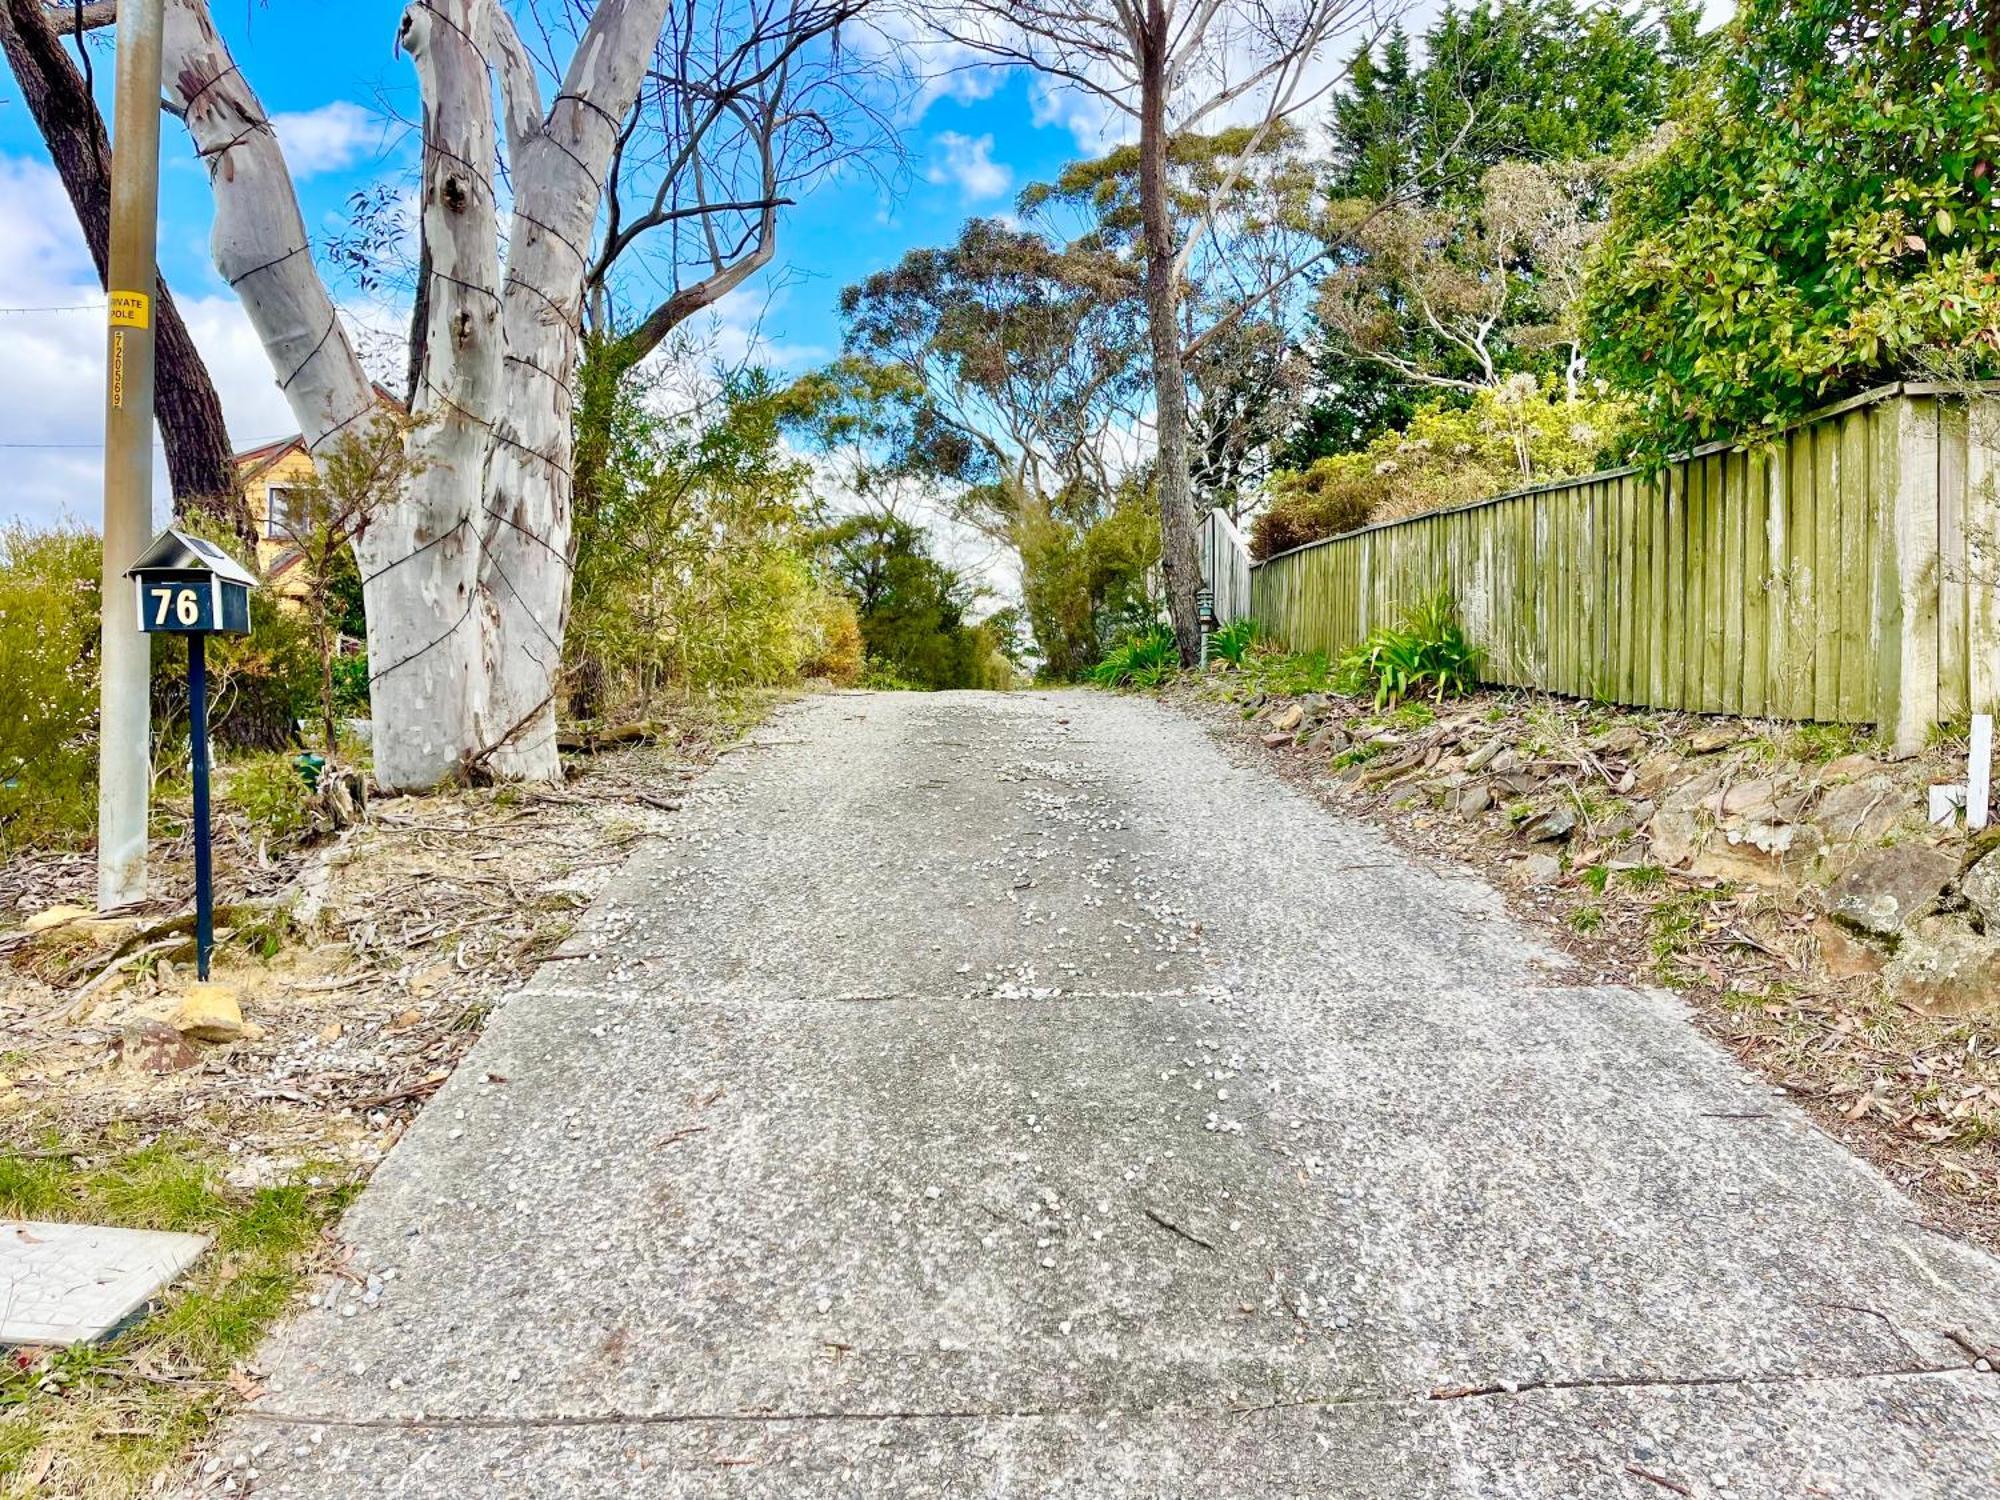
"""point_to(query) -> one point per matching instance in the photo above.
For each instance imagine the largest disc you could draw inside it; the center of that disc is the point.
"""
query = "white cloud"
(1092, 121)
(957, 74)
(969, 162)
(52, 363)
(918, 67)
(328, 139)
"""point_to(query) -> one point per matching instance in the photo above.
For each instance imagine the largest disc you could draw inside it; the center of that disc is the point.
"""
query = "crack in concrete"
(1172, 1228)
(1631, 1382)
(560, 1420)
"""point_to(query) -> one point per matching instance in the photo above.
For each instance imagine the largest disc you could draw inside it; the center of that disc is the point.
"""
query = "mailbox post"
(189, 586)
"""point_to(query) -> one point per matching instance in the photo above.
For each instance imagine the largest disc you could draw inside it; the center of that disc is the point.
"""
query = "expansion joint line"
(1038, 1413)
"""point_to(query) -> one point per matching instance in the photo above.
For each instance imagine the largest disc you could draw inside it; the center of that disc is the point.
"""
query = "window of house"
(281, 512)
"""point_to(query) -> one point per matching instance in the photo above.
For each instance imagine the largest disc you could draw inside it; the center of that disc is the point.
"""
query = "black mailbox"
(188, 586)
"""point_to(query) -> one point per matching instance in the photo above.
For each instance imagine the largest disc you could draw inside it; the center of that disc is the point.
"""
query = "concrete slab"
(68, 1283)
(1009, 1096)
(1925, 1438)
(1055, 1206)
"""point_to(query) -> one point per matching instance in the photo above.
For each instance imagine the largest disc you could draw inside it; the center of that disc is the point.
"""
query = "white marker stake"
(1979, 772)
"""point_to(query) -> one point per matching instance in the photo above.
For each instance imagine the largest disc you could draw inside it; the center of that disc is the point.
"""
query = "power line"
(99, 447)
(73, 307)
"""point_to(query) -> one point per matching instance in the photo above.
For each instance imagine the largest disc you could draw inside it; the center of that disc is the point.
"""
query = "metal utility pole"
(124, 771)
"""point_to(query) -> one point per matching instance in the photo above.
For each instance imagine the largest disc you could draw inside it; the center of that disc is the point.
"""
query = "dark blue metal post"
(204, 894)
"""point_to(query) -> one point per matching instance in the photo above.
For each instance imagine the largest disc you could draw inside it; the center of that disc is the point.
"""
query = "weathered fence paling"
(1225, 565)
(1847, 571)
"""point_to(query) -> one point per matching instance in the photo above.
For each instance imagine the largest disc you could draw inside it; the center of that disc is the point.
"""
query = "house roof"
(251, 463)
(254, 462)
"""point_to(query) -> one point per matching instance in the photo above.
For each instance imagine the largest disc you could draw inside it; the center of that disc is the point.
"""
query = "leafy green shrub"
(1141, 661)
(1085, 577)
(1333, 495)
(350, 685)
(1233, 641)
(1427, 650)
(1454, 452)
(911, 610)
(882, 677)
(260, 685)
(693, 567)
(270, 794)
(48, 662)
(837, 653)
(1820, 217)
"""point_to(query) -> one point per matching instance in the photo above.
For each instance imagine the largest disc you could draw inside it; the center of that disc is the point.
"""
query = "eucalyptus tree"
(1246, 293)
(744, 109)
(1165, 69)
(1021, 363)
(1001, 374)
(467, 572)
(1461, 295)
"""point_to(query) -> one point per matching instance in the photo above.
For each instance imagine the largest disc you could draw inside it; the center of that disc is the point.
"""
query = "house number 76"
(185, 604)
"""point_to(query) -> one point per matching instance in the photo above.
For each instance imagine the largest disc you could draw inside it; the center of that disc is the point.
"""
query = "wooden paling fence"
(1225, 565)
(1849, 570)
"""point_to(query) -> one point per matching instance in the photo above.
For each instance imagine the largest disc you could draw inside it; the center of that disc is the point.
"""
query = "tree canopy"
(1539, 80)
(1820, 216)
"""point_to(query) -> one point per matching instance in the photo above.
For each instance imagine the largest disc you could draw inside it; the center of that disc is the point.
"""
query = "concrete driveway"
(1011, 1096)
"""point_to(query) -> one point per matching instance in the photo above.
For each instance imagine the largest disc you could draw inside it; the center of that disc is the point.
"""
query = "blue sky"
(331, 79)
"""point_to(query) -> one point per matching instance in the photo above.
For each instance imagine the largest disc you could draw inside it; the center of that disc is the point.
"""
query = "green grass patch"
(1679, 922)
(1819, 743)
(1291, 675)
(1357, 755)
(105, 1420)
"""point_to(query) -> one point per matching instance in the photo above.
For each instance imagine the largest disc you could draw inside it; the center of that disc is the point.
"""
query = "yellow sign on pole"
(118, 371)
(131, 310)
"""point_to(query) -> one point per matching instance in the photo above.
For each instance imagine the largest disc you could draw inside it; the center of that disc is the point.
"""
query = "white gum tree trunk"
(466, 575)
(560, 160)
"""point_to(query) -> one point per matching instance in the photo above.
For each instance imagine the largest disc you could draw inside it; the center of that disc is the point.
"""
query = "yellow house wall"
(293, 469)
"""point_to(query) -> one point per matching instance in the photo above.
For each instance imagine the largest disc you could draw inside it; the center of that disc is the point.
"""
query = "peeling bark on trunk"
(559, 170)
(1180, 560)
(466, 576)
(456, 394)
(200, 465)
(421, 675)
